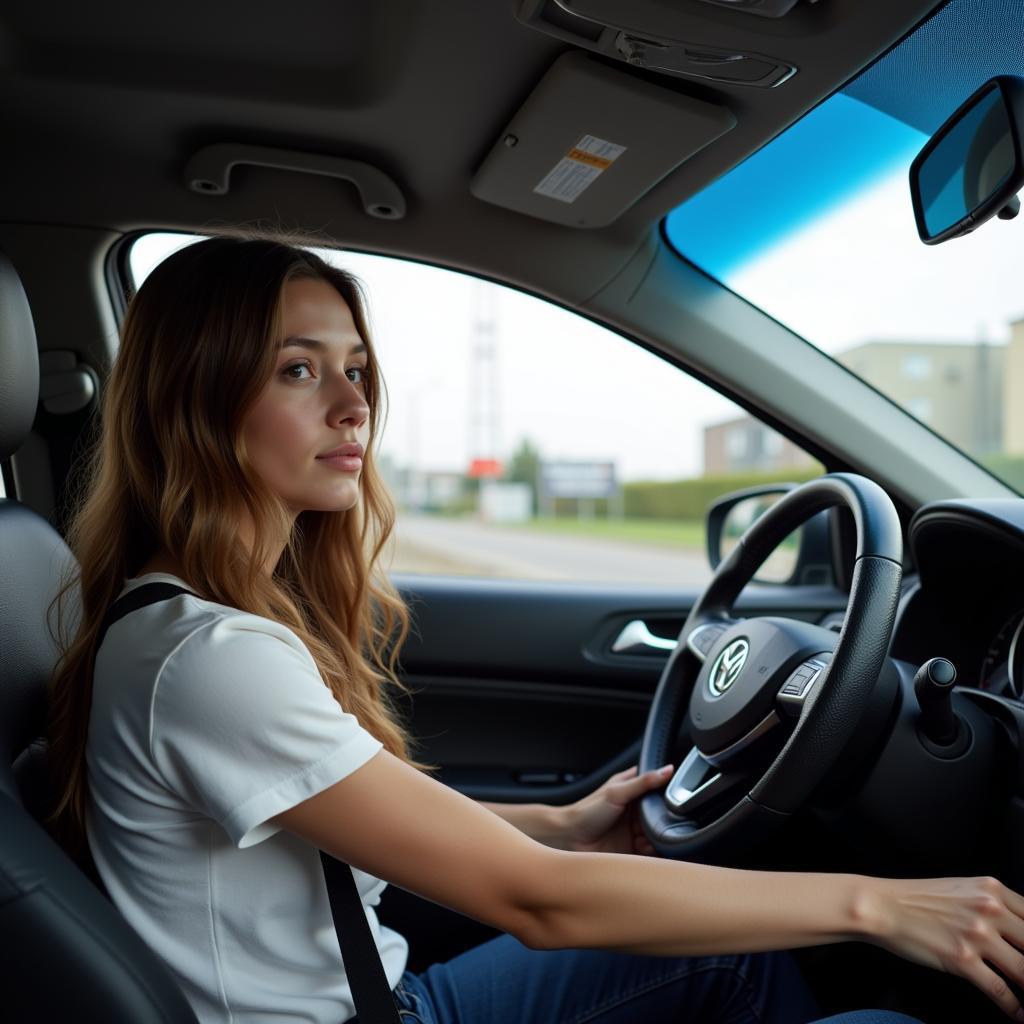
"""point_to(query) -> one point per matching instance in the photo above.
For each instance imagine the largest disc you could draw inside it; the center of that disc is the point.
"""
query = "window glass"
(827, 243)
(524, 441)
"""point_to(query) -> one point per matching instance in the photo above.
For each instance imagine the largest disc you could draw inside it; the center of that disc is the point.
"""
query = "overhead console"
(659, 38)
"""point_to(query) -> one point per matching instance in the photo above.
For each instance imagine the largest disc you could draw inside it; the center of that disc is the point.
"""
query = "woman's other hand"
(965, 926)
(607, 821)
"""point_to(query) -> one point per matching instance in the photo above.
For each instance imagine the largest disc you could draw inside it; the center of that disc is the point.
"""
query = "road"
(463, 547)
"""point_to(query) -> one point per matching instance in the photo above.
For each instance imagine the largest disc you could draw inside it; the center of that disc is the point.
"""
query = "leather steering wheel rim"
(832, 711)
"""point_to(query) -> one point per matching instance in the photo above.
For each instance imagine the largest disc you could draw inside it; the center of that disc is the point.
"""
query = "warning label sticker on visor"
(579, 168)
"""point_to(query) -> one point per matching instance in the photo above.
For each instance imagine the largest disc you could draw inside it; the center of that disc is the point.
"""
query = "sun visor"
(590, 140)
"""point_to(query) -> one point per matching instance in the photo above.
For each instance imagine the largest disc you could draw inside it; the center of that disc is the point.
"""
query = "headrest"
(19, 362)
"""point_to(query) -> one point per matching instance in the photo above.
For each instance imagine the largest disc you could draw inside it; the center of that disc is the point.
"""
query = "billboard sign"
(578, 479)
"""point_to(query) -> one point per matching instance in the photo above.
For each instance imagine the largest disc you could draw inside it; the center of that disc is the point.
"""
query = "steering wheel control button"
(796, 688)
(704, 637)
(798, 683)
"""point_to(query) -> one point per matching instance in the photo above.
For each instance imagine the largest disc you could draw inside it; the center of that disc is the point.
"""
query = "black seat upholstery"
(67, 953)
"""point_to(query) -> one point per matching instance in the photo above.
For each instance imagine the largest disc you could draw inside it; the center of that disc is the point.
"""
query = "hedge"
(1009, 469)
(689, 499)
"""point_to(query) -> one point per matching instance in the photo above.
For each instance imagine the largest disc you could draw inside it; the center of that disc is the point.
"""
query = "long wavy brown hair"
(167, 468)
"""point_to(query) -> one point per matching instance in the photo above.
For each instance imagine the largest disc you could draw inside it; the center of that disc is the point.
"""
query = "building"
(956, 389)
(417, 490)
(745, 445)
(964, 391)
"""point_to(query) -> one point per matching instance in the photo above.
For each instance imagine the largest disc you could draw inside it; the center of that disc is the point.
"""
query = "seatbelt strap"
(371, 993)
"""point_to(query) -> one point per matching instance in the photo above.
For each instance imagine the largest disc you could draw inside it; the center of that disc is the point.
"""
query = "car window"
(524, 441)
(828, 243)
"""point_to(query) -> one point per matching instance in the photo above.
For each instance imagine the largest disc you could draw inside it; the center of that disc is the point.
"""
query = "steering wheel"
(770, 703)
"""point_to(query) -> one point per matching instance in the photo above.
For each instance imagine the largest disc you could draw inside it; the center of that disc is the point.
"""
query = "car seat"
(67, 952)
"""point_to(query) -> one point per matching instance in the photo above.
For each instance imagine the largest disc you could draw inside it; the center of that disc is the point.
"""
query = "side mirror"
(804, 557)
(973, 166)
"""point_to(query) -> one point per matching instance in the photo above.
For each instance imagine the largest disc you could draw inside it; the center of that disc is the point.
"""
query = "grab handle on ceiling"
(209, 172)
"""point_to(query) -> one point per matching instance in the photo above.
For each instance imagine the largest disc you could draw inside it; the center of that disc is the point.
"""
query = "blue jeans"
(504, 982)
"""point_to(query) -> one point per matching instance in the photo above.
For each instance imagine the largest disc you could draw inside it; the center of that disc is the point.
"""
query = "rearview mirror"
(973, 166)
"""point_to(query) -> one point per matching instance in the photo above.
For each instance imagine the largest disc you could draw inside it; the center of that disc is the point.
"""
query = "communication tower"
(484, 418)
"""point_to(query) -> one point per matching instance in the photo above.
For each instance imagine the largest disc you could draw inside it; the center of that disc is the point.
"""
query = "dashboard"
(1002, 669)
(967, 603)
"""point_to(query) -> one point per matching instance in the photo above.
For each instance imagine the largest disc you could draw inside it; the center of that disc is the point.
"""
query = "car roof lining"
(374, 80)
(78, 182)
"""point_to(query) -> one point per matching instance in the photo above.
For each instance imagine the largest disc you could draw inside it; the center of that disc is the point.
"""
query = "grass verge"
(657, 532)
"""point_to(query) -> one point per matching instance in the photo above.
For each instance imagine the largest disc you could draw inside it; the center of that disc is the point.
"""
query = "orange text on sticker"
(600, 162)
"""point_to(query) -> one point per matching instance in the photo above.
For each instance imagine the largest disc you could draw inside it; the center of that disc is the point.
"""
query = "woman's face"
(314, 404)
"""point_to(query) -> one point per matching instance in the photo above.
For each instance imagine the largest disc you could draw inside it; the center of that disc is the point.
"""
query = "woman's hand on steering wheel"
(607, 820)
(768, 706)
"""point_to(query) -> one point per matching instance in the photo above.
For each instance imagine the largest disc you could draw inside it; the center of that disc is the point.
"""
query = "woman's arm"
(403, 826)
(400, 825)
(545, 823)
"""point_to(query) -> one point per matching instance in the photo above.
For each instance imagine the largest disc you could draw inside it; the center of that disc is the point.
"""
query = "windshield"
(817, 229)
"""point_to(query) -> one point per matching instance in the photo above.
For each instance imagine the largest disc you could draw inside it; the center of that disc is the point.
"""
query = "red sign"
(480, 468)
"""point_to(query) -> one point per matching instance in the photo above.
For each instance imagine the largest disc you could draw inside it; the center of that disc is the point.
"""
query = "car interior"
(561, 149)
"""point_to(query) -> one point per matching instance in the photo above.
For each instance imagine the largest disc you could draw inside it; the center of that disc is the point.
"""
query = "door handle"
(636, 638)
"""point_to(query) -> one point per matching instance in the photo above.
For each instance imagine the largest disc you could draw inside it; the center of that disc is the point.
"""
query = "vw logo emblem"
(728, 666)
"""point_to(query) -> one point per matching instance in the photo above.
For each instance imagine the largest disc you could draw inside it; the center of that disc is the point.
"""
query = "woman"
(206, 761)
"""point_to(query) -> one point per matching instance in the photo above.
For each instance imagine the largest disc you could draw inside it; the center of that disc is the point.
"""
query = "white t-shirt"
(207, 721)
